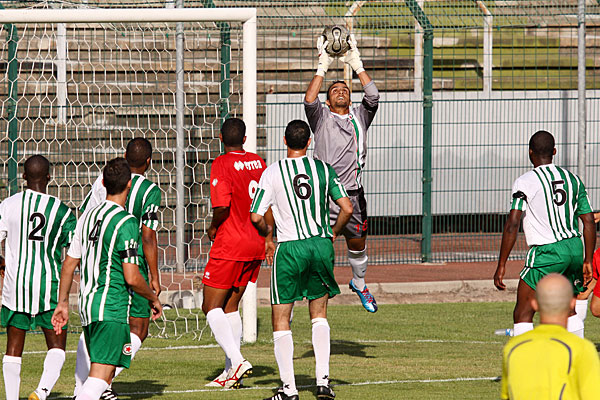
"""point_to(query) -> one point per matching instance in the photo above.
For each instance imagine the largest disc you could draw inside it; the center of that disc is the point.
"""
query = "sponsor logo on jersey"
(127, 349)
(215, 181)
(249, 165)
(207, 275)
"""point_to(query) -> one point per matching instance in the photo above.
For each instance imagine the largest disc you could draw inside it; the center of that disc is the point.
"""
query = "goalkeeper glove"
(324, 58)
(352, 56)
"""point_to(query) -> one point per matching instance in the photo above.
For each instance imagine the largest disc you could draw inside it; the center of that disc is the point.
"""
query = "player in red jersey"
(237, 251)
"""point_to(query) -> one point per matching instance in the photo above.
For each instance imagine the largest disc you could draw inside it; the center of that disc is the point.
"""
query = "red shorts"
(225, 274)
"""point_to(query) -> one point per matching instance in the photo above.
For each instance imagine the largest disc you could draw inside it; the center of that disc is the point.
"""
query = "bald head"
(37, 169)
(554, 294)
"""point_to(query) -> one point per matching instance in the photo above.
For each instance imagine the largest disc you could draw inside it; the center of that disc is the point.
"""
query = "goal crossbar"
(103, 15)
(176, 15)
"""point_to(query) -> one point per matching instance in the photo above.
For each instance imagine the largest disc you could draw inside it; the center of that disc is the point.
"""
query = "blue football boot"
(367, 299)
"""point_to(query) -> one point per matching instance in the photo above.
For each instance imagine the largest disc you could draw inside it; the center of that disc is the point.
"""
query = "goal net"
(77, 84)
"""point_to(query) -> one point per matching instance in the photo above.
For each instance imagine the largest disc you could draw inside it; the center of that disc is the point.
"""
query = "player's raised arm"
(60, 317)
(352, 58)
(509, 237)
(370, 101)
(324, 61)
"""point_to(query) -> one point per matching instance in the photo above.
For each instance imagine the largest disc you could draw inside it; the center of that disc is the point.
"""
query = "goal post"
(248, 48)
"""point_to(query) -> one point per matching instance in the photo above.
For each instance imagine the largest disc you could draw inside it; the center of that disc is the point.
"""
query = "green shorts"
(303, 268)
(564, 257)
(26, 321)
(108, 343)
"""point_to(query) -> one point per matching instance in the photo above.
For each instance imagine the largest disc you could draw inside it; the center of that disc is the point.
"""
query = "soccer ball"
(338, 37)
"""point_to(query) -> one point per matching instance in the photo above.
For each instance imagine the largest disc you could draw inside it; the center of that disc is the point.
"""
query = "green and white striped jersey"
(36, 227)
(106, 237)
(143, 199)
(143, 202)
(552, 199)
(298, 190)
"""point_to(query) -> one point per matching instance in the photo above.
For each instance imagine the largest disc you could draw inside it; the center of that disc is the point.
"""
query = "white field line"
(204, 346)
(367, 383)
(211, 346)
(423, 341)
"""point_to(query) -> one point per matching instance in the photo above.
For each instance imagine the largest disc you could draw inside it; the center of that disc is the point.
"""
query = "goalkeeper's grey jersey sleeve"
(341, 140)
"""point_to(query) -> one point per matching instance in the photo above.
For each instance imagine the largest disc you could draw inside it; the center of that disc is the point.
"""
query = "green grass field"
(420, 351)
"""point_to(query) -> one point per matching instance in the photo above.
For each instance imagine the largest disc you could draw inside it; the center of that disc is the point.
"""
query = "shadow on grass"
(142, 389)
(344, 347)
(301, 380)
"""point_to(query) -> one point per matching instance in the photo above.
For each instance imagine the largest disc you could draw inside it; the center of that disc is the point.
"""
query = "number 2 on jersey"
(560, 196)
(41, 222)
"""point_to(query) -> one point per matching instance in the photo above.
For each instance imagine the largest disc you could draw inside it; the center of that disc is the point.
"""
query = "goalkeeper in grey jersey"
(340, 136)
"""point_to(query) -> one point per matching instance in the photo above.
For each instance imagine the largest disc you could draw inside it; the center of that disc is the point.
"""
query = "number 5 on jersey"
(560, 196)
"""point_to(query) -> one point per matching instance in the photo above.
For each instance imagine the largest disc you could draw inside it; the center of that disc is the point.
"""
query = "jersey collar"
(345, 116)
(296, 158)
(112, 202)
(238, 153)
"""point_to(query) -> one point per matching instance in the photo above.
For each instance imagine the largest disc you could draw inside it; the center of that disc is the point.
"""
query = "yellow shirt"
(550, 363)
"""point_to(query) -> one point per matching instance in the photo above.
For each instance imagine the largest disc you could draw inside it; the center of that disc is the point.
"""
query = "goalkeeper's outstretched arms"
(312, 105)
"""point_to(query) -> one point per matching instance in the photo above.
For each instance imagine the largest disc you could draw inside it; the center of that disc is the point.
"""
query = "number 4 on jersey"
(95, 232)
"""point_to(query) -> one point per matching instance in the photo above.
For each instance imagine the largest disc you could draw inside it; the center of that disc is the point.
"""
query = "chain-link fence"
(498, 71)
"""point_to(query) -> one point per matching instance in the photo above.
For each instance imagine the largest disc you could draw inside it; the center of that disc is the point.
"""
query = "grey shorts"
(357, 226)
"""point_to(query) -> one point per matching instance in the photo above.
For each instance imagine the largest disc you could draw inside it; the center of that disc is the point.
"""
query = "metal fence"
(463, 85)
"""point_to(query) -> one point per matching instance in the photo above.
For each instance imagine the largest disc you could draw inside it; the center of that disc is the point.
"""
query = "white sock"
(219, 324)
(321, 347)
(358, 262)
(82, 365)
(581, 307)
(522, 327)
(55, 358)
(284, 355)
(92, 389)
(11, 368)
(136, 343)
(575, 325)
(235, 320)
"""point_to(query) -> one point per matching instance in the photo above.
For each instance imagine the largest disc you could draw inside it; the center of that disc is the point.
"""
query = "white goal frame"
(249, 96)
